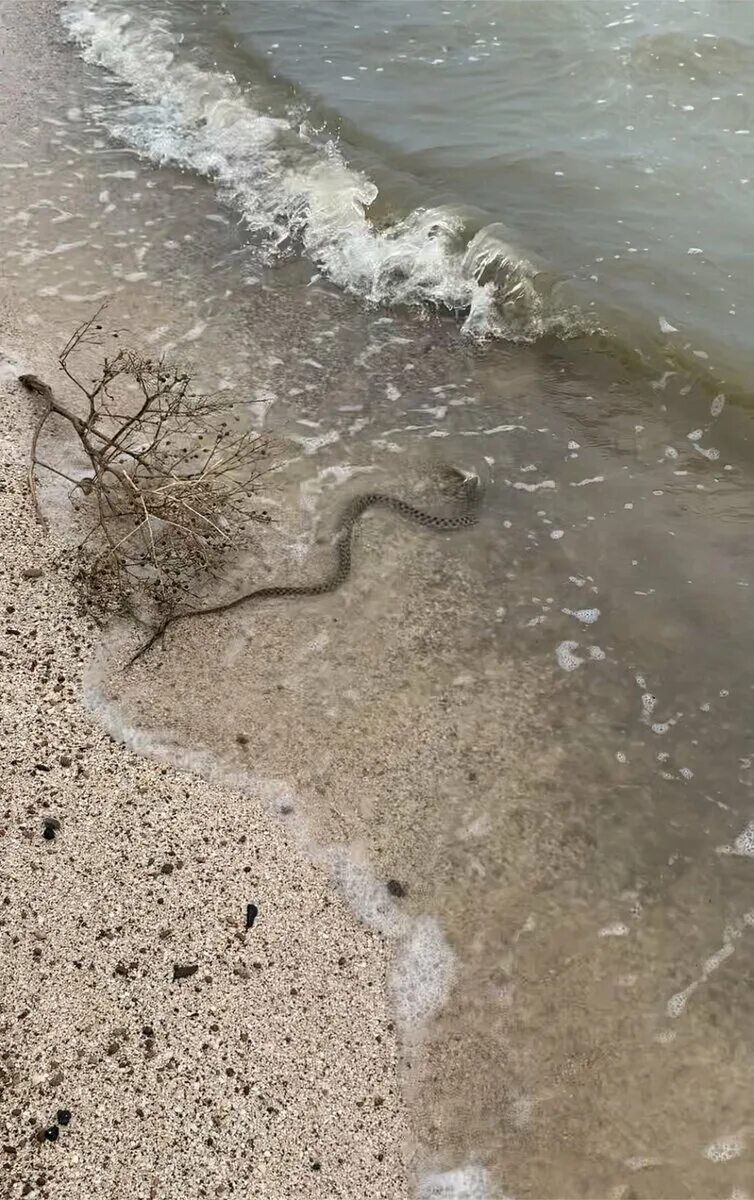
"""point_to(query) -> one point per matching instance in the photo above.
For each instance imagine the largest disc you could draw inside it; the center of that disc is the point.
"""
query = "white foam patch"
(641, 1163)
(566, 656)
(618, 929)
(421, 976)
(676, 1005)
(311, 445)
(648, 705)
(725, 1148)
(520, 486)
(294, 189)
(743, 845)
(587, 616)
(463, 1183)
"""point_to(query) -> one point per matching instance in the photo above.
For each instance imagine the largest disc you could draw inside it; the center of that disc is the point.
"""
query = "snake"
(467, 491)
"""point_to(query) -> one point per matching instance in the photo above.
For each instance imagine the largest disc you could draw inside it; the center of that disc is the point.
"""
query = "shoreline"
(508, 725)
(277, 1047)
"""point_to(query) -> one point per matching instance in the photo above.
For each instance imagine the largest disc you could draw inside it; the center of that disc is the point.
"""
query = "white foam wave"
(296, 192)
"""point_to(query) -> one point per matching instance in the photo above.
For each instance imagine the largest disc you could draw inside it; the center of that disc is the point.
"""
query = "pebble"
(184, 972)
(49, 828)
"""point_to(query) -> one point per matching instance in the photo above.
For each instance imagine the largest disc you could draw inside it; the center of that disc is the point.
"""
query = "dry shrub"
(171, 477)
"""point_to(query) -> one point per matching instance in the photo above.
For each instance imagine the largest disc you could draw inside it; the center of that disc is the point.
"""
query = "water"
(589, 167)
(539, 727)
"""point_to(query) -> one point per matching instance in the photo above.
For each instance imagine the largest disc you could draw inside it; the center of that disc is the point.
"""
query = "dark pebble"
(316, 1166)
(184, 972)
(49, 829)
(396, 888)
(64, 1116)
(52, 1133)
(251, 915)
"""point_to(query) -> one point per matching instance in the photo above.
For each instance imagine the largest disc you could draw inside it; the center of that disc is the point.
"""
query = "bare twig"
(171, 481)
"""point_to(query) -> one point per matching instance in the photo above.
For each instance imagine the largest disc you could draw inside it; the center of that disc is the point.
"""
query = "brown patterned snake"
(467, 490)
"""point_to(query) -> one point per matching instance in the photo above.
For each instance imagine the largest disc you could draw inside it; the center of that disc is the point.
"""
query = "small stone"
(242, 739)
(49, 828)
(166, 868)
(52, 1133)
(66, 760)
(252, 912)
(184, 972)
(396, 888)
(64, 1116)
(32, 573)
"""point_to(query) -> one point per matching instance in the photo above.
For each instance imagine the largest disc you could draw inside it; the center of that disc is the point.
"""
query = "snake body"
(467, 492)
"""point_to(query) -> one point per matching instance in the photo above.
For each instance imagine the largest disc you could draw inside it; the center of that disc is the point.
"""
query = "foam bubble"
(533, 487)
(648, 703)
(463, 1183)
(676, 1005)
(725, 1148)
(567, 659)
(743, 845)
(422, 975)
(587, 616)
(642, 1163)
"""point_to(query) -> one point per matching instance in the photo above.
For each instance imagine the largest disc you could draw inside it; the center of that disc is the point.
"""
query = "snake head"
(459, 482)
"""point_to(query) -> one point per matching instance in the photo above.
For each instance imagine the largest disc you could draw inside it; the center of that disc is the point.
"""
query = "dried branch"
(171, 479)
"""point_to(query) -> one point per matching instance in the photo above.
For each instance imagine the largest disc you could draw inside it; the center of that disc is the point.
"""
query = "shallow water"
(539, 728)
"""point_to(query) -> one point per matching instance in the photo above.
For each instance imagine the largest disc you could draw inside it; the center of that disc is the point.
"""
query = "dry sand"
(269, 1070)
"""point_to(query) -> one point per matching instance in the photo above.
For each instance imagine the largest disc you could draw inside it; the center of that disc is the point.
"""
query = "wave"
(297, 193)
